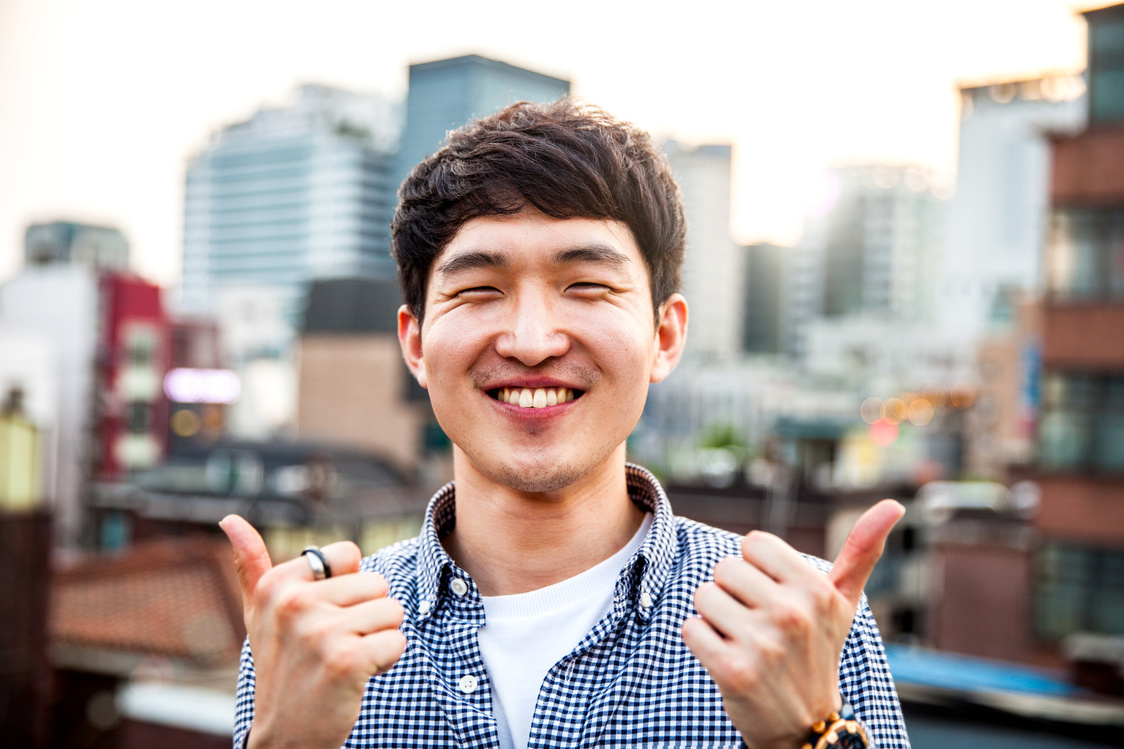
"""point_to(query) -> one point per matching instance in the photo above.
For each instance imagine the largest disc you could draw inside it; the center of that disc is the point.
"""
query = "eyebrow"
(471, 261)
(475, 259)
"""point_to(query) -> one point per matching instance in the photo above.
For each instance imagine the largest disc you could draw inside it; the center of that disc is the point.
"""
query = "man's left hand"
(772, 629)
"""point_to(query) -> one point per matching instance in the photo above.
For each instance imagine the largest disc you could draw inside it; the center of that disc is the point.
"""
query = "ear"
(409, 337)
(671, 336)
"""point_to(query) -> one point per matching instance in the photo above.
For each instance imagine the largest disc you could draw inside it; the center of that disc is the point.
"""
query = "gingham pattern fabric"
(630, 683)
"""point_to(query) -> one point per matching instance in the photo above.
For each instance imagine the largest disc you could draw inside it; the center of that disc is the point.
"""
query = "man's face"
(533, 310)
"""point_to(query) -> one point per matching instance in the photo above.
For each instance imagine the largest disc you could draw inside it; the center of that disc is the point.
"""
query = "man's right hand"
(315, 643)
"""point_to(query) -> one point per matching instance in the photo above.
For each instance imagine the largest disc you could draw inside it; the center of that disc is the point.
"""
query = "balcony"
(1087, 168)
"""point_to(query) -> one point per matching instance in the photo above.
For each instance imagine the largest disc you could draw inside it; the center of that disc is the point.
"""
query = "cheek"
(449, 343)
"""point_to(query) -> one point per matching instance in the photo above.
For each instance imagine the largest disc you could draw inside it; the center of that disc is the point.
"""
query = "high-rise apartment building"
(445, 94)
(712, 267)
(872, 252)
(998, 218)
(1080, 472)
(763, 282)
(292, 194)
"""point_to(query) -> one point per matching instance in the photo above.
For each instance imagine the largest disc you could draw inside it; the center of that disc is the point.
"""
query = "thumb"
(251, 559)
(863, 547)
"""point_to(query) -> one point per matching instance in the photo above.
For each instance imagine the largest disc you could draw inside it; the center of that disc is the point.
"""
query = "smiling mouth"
(535, 397)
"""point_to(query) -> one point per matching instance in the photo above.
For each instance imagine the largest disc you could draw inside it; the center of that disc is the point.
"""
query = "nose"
(532, 331)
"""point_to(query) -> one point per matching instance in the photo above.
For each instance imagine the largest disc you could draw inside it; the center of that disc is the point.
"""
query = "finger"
(383, 649)
(372, 616)
(744, 581)
(721, 611)
(706, 643)
(774, 557)
(251, 558)
(350, 590)
(863, 547)
(343, 558)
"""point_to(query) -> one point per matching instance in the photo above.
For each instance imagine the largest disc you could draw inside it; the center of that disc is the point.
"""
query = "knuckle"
(395, 611)
(376, 584)
(791, 617)
(293, 601)
(703, 594)
(823, 595)
(351, 552)
(772, 651)
(742, 674)
(339, 661)
(724, 570)
(385, 651)
(313, 635)
(268, 587)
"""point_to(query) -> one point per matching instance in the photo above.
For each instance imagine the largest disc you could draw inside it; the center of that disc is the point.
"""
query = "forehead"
(532, 239)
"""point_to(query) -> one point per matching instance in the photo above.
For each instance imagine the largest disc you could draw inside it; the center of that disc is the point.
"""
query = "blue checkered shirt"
(631, 682)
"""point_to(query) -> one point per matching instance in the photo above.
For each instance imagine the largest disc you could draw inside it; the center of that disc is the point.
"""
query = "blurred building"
(107, 334)
(200, 391)
(1079, 571)
(446, 94)
(292, 194)
(354, 387)
(25, 579)
(999, 216)
(1003, 425)
(712, 269)
(69, 242)
(763, 282)
(871, 251)
(145, 647)
(1039, 576)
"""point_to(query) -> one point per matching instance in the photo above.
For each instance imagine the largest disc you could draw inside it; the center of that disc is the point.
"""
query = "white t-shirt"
(527, 633)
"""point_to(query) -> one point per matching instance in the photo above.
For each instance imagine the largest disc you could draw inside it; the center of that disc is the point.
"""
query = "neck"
(514, 542)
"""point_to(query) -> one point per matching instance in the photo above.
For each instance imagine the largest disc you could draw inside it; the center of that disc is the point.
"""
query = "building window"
(1079, 589)
(1082, 423)
(1087, 254)
(1106, 70)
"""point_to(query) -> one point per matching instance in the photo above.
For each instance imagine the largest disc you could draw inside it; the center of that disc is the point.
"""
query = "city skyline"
(100, 109)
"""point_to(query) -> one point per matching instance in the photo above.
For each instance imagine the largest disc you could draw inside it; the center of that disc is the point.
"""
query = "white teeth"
(535, 398)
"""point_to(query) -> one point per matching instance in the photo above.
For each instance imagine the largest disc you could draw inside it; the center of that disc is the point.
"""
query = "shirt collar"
(642, 579)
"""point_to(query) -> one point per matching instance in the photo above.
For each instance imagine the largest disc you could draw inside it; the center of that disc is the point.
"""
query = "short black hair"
(567, 160)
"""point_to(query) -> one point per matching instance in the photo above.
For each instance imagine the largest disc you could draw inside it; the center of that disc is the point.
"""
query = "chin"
(541, 480)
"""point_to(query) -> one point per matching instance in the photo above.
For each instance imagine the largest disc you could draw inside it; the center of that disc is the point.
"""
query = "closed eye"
(478, 292)
(588, 286)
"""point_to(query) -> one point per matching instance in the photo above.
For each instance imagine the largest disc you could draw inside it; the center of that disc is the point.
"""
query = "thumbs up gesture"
(772, 629)
(315, 643)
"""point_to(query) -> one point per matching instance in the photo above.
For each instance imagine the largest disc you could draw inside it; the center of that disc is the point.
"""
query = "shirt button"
(468, 683)
(645, 600)
(423, 607)
(460, 587)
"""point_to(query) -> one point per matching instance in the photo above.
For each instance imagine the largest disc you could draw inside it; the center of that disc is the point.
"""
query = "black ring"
(325, 569)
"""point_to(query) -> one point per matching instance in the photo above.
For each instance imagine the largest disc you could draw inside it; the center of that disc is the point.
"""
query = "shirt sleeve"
(244, 698)
(866, 683)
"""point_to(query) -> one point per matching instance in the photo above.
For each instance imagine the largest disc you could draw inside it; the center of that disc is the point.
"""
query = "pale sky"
(102, 103)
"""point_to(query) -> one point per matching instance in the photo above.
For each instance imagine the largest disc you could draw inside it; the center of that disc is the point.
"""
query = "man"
(552, 599)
